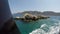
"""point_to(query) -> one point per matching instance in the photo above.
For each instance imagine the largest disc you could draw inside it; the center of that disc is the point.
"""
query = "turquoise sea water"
(44, 26)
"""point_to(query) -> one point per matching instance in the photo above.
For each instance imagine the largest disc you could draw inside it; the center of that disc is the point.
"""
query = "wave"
(45, 29)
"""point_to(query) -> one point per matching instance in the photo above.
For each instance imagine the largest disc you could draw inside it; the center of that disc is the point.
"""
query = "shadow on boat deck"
(14, 30)
(10, 28)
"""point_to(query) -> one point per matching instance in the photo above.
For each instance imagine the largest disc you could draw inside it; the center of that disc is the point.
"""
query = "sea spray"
(51, 29)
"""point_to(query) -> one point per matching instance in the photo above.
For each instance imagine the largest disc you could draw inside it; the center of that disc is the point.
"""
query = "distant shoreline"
(46, 13)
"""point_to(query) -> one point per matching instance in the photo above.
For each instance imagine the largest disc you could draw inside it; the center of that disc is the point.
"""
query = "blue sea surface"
(43, 26)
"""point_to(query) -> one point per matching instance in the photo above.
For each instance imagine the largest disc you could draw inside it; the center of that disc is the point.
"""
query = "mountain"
(46, 13)
(50, 13)
(17, 15)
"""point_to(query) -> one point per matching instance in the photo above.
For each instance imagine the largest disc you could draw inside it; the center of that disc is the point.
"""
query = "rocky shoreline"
(29, 17)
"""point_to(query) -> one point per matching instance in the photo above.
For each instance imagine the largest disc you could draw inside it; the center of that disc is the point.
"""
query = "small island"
(29, 17)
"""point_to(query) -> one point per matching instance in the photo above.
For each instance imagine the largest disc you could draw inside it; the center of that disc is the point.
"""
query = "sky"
(34, 5)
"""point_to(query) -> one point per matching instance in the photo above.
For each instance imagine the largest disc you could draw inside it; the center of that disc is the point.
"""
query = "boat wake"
(45, 29)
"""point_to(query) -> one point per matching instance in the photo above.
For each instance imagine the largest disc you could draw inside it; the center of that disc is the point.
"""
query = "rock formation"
(29, 17)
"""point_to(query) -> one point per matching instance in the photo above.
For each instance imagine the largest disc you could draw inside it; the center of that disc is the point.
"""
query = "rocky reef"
(29, 17)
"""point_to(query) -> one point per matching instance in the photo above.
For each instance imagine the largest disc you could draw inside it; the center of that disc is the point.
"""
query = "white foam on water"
(52, 29)
(43, 25)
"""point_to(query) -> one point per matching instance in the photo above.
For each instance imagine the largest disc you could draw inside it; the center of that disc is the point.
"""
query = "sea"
(42, 26)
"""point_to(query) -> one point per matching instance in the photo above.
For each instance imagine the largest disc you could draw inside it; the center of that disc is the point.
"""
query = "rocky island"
(34, 15)
(29, 17)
